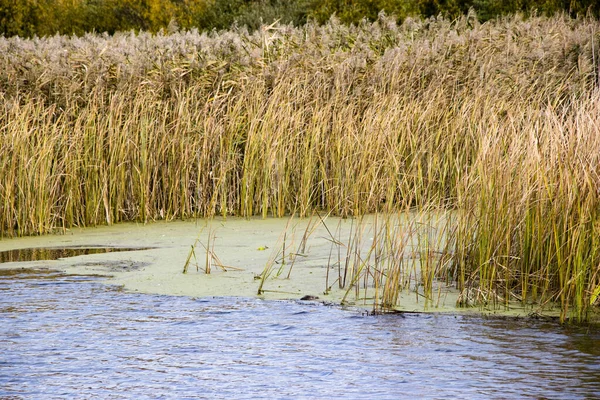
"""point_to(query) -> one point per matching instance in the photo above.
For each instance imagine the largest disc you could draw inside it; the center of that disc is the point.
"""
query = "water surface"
(71, 337)
(54, 253)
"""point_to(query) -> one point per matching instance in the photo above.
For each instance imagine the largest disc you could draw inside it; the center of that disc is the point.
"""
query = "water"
(54, 253)
(71, 337)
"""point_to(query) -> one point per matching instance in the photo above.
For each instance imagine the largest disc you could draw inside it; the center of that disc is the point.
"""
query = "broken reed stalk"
(211, 257)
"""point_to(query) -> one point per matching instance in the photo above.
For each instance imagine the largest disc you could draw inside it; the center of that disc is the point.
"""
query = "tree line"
(29, 18)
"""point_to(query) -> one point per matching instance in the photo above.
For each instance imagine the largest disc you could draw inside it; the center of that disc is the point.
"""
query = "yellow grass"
(497, 121)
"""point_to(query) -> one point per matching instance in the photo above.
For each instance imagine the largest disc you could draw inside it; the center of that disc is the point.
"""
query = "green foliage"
(488, 9)
(47, 17)
(255, 13)
(353, 11)
(122, 15)
(222, 14)
(27, 17)
(213, 14)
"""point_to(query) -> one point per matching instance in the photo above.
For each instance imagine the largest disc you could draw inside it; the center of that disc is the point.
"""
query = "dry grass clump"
(498, 121)
(530, 227)
(391, 253)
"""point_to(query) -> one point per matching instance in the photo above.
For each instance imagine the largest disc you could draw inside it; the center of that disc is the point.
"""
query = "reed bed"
(497, 121)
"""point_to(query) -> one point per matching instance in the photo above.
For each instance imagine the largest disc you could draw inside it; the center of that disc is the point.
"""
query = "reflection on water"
(70, 337)
(54, 253)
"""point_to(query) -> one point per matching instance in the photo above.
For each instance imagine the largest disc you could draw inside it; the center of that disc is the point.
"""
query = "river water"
(71, 337)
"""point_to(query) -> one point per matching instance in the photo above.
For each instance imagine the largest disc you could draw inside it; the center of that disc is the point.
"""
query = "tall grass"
(498, 121)
(386, 254)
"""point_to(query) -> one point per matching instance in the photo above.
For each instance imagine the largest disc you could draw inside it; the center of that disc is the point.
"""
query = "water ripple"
(76, 338)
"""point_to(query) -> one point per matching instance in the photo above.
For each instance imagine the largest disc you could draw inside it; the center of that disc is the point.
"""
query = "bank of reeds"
(498, 121)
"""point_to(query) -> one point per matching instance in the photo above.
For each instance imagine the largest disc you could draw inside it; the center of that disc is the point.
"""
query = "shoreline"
(244, 247)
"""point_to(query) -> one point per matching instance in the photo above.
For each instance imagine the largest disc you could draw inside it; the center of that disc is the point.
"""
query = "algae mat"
(304, 258)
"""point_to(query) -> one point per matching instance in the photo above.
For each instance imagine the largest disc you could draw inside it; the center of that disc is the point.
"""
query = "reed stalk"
(496, 122)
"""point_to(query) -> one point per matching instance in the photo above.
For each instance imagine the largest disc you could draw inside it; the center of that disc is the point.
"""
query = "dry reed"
(498, 121)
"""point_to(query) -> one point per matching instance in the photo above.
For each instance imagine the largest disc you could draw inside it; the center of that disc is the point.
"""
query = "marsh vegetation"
(496, 123)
